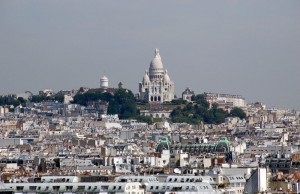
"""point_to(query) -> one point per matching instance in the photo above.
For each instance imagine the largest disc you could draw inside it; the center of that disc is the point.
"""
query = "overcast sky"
(251, 48)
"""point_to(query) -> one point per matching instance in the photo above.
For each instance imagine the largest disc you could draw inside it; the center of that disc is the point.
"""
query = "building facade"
(187, 94)
(226, 100)
(156, 85)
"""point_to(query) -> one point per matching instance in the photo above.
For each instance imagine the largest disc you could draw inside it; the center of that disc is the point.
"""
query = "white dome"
(166, 77)
(156, 62)
(146, 78)
(104, 78)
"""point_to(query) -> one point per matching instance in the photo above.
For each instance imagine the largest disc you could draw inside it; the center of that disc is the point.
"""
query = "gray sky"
(251, 48)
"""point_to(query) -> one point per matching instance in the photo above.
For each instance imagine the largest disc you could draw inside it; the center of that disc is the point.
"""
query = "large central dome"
(156, 62)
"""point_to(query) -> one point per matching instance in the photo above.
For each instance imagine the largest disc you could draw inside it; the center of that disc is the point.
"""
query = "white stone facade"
(229, 99)
(156, 85)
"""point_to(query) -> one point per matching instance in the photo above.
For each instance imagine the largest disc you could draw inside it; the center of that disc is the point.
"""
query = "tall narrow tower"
(104, 82)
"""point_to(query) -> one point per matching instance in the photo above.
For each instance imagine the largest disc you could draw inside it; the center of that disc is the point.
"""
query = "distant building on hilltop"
(226, 100)
(156, 86)
(104, 82)
(46, 92)
(187, 94)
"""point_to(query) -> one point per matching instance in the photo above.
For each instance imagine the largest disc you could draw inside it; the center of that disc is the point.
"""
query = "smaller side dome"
(166, 77)
(146, 78)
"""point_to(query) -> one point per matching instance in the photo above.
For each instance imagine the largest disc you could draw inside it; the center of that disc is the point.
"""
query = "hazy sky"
(251, 48)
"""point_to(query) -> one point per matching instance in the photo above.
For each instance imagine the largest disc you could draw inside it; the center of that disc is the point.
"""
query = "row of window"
(70, 188)
(166, 188)
(237, 184)
(185, 180)
(138, 180)
(268, 150)
(240, 178)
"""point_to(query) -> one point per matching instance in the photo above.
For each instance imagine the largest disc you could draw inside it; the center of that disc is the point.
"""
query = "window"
(56, 188)
(81, 188)
(33, 188)
(19, 188)
(69, 188)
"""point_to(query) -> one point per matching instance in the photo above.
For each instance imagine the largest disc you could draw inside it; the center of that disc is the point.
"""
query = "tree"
(198, 112)
(59, 97)
(113, 107)
(126, 102)
(22, 101)
(91, 95)
(122, 102)
(200, 99)
(237, 112)
(37, 98)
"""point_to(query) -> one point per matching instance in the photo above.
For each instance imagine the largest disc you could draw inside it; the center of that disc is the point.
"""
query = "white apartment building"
(271, 149)
(229, 99)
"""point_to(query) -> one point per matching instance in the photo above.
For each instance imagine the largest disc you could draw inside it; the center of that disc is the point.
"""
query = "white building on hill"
(156, 85)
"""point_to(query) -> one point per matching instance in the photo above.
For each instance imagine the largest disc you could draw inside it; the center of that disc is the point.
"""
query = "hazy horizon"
(250, 48)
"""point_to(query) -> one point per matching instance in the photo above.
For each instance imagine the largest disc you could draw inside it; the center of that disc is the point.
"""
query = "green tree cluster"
(122, 102)
(199, 111)
(40, 98)
(5, 100)
(91, 95)
(237, 112)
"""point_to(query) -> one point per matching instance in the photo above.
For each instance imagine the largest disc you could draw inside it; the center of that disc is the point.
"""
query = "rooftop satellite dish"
(177, 171)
